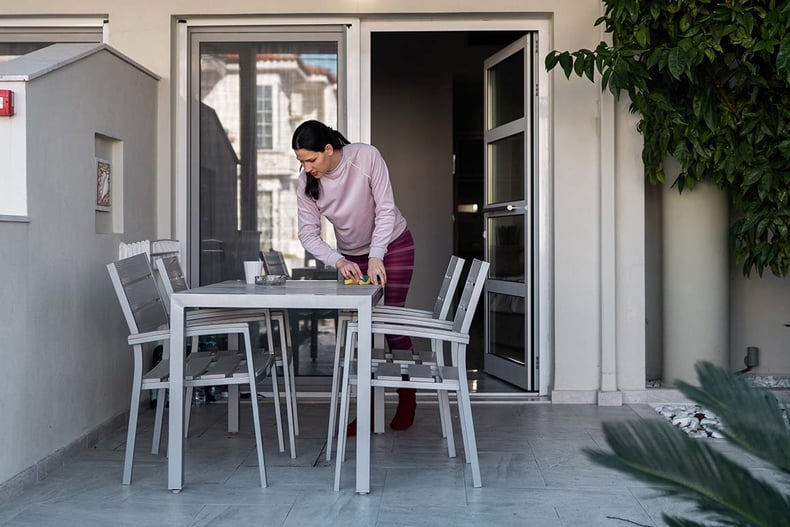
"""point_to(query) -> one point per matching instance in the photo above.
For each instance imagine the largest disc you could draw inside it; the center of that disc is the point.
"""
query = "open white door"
(509, 213)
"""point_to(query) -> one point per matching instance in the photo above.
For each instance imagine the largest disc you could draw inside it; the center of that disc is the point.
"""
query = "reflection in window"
(265, 214)
(263, 122)
(248, 173)
(506, 247)
(507, 326)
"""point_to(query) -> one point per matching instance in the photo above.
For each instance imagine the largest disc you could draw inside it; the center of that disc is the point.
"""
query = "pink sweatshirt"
(356, 197)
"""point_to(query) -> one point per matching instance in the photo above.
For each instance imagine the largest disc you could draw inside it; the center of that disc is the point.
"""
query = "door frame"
(543, 318)
(358, 107)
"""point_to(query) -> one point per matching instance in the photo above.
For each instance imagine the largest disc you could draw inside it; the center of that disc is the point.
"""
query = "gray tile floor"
(534, 473)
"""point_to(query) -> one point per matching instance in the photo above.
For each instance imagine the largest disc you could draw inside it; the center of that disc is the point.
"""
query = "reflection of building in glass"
(285, 91)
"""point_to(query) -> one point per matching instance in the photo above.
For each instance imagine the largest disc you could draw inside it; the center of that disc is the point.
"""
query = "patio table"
(318, 294)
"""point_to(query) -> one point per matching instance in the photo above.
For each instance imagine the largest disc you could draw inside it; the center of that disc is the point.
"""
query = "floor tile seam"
(642, 506)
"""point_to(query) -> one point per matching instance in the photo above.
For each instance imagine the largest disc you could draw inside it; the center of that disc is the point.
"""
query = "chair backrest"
(473, 288)
(171, 276)
(165, 248)
(140, 299)
(274, 263)
(447, 291)
(125, 250)
(173, 279)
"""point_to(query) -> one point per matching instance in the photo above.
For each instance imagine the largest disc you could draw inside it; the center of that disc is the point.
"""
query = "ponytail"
(314, 136)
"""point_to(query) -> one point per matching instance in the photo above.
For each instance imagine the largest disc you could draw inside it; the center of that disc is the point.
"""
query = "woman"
(349, 184)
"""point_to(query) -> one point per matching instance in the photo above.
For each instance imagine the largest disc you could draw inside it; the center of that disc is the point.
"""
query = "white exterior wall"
(13, 130)
(62, 335)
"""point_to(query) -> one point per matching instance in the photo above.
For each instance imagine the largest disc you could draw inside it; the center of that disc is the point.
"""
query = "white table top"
(325, 294)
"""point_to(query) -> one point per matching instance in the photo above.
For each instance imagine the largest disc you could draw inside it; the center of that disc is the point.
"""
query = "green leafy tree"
(656, 452)
(711, 82)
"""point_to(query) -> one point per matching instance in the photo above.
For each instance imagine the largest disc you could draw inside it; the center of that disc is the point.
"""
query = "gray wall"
(62, 339)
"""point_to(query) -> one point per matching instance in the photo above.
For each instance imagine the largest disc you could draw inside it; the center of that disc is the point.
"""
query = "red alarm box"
(6, 102)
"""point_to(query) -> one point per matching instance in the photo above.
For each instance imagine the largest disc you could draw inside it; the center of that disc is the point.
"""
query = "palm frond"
(752, 417)
(656, 452)
(673, 521)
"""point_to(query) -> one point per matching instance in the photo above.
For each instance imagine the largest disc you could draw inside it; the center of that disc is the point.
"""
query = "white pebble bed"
(698, 422)
(692, 419)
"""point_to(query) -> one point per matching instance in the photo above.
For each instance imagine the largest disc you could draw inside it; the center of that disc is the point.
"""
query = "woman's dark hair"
(314, 136)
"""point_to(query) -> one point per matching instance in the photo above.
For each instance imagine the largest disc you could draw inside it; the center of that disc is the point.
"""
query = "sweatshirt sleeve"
(310, 227)
(384, 221)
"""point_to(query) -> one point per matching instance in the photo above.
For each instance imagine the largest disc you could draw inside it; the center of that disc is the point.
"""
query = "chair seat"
(212, 368)
(381, 355)
(411, 375)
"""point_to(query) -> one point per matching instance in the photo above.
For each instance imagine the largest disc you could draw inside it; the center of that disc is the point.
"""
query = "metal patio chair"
(173, 280)
(424, 376)
(147, 319)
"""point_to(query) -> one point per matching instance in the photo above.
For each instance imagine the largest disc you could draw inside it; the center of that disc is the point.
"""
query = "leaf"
(656, 452)
(589, 68)
(578, 66)
(643, 36)
(654, 11)
(684, 24)
(676, 62)
(752, 176)
(783, 57)
(751, 416)
(566, 63)
(551, 60)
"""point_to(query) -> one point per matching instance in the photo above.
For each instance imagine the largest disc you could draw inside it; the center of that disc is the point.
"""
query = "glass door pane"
(506, 333)
(249, 89)
(507, 163)
(506, 247)
(506, 80)
(252, 95)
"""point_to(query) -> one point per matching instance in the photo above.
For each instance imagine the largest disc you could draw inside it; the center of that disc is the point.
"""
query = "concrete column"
(695, 277)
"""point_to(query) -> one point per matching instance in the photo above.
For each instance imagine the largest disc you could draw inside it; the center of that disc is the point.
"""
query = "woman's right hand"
(348, 269)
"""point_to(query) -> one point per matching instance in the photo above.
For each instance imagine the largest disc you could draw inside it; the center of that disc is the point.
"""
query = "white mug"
(252, 268)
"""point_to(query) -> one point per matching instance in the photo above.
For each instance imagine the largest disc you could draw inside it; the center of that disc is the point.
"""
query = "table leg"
(363, 400)
(175, 438)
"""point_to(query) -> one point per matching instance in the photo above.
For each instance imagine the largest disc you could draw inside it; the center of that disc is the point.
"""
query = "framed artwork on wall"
(103, 174)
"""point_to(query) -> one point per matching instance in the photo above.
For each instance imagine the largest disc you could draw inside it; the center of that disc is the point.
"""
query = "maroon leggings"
(399, 265)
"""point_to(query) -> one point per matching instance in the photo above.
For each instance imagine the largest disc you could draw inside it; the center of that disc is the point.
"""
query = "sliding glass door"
(249, 89)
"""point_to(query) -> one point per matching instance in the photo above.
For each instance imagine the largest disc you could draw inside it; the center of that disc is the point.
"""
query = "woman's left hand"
(376, 271)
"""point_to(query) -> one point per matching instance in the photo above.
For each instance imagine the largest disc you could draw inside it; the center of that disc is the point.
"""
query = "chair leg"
(256, 418)
(233, 409)
(465, 413)
(287, 384)
(345, 396)
(188, 391)
(447, 423)
(468, 429)
(285, 343)
(437, 348)
(293, 396)
(161, 397)
(131, 434)
(277, 412)
(379, 410)
(339, 340)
